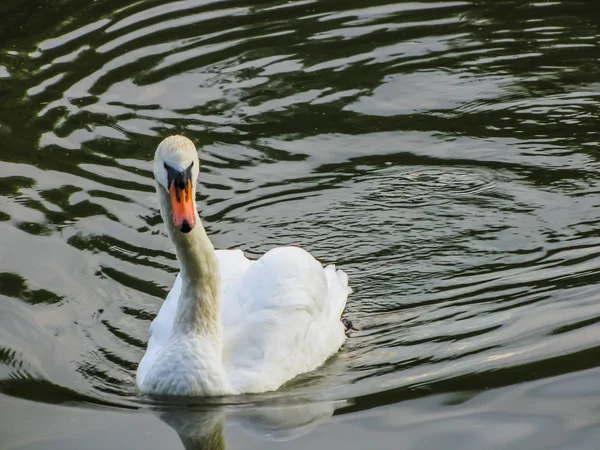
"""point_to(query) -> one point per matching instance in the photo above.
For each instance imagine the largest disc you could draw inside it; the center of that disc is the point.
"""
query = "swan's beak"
(182, 202)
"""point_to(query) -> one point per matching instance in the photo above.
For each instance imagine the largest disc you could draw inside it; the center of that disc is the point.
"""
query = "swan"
(231, 325)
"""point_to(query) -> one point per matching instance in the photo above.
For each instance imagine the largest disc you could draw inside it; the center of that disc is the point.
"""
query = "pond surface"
(444, 154)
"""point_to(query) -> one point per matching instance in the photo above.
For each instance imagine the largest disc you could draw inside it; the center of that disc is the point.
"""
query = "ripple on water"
(442, 155)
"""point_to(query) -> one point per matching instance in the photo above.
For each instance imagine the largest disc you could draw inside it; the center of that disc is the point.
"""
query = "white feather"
(279, 316)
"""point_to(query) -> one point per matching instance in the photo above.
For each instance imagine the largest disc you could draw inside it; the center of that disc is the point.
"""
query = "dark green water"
(444, 154)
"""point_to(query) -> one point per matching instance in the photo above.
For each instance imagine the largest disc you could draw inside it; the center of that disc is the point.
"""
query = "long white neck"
(198, 308)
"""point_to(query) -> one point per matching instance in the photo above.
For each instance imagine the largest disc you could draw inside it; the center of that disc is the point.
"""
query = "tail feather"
(338, 288)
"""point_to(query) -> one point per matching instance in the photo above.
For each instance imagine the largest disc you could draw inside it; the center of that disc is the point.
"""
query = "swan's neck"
(198, 308)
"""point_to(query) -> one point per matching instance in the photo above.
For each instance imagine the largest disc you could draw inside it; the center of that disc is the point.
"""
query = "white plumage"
(231, 325)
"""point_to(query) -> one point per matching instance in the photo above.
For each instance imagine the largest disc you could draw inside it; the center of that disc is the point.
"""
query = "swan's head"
(176, 169)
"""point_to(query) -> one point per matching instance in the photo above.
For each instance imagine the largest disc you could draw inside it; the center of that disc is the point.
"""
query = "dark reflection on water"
(443, 153)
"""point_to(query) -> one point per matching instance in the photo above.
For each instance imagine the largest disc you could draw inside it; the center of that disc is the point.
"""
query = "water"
(444, 154)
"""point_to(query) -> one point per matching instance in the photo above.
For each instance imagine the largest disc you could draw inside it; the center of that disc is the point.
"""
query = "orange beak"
(182, 202)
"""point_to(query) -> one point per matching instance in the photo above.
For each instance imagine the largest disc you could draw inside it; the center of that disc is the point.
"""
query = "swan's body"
(231, 325)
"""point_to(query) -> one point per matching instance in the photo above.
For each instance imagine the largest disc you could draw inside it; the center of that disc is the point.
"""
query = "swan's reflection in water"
(198, 430)
(204, 430)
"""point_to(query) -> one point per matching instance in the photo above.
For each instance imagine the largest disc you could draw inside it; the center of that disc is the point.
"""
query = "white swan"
(231, 325)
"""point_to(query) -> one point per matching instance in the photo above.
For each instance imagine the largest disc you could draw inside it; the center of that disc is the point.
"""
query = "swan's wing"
(281, 318)
(160, 329)
(232, 265)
